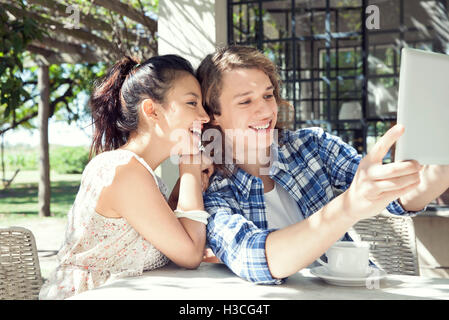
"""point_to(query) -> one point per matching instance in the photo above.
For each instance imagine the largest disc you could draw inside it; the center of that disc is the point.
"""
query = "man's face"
(248, 110)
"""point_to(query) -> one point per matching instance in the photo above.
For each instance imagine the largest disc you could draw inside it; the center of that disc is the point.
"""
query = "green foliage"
(63, 159)
(21, 159)
(19, 202)
(15, 35)
(70, 84)
(69, 159)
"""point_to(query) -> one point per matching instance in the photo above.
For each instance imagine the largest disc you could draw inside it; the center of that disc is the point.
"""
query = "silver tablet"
(423, 107)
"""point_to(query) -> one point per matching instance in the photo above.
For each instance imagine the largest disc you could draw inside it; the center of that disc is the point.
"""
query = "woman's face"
(183, 116)
(248, 110)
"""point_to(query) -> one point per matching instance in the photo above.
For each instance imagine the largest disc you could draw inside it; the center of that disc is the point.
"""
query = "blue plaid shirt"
(309, 164)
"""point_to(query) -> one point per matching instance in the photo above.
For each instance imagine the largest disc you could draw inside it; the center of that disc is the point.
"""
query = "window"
(336, 73)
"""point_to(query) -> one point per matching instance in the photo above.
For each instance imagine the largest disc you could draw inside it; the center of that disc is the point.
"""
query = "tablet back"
(423, 107)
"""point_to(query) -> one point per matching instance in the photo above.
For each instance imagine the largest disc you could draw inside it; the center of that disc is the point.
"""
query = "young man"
(273, 207)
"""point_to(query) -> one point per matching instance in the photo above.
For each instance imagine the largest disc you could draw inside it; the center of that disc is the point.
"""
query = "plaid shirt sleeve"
(342, 161)
(237, 242)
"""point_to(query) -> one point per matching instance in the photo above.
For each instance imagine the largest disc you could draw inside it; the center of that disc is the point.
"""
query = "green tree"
(16, 34)
(59, 48)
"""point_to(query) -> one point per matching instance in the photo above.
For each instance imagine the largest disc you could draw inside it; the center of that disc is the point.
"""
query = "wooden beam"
(85, 19)
(79, 51)
(93, 23)
(108, 47)
(44, 156)
(46, 56)
(128, 11)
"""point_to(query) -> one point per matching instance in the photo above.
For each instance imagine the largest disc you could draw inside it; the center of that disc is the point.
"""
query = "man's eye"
(268, 96)
(245, 102)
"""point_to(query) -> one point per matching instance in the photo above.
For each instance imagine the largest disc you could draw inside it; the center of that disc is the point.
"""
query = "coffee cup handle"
(322, 262)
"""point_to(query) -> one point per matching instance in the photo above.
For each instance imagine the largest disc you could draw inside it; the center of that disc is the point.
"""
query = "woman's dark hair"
(115, 97)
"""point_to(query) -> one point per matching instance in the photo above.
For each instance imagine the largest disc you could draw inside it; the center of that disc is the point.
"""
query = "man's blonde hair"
(210, 72)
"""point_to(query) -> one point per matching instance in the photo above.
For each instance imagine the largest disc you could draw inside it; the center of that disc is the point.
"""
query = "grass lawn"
(20, 201)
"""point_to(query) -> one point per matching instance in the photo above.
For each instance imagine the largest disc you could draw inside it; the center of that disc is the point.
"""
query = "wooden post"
(44, 157)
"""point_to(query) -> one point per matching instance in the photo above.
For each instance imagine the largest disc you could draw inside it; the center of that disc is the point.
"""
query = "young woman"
(121, 223)
(271, 218)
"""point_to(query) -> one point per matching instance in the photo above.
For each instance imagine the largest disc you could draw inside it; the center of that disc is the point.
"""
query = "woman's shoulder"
(110, 158)
(122, 164)
(117, 157)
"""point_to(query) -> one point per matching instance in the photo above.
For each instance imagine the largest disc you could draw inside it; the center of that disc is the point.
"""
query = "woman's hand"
(207, 169)
(190, 191)
(376, 185)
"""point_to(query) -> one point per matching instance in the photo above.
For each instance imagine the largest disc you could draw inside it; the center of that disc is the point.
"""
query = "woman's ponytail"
(115, 97)
(110, 129)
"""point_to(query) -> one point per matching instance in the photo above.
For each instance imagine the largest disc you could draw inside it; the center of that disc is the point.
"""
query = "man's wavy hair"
(210, 72)
(210, 75)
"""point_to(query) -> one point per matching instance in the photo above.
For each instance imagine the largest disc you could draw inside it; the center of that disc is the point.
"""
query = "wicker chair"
(20, 274)
(392, 242)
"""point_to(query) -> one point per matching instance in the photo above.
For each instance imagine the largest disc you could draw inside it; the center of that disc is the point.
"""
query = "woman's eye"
(245, 102)
(268, 96)
(193, 103)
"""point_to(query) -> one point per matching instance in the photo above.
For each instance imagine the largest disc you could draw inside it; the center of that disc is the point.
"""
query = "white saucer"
(374, 274)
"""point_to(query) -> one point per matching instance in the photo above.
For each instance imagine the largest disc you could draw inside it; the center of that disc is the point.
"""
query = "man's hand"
(207, 169)
(376, 185)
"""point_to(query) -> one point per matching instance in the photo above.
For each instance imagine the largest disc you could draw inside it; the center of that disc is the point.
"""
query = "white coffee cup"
(347, 259)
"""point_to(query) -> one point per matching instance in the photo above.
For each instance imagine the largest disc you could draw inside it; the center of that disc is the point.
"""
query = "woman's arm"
(135, 196)
(207, 169)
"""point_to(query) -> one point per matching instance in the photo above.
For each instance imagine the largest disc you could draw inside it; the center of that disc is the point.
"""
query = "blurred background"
(339, 61)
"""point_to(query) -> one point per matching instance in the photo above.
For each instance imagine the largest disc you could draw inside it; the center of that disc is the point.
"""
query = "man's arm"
(263, 256)
(342, 160)
(371, 189)
(236, 241)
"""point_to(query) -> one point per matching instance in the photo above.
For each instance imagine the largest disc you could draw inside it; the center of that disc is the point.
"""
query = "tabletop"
(216, 282)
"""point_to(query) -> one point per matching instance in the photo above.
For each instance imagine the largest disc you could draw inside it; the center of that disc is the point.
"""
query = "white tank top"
(280, 208)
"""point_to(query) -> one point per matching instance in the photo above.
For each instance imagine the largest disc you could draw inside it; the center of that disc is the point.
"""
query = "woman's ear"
(148, 108)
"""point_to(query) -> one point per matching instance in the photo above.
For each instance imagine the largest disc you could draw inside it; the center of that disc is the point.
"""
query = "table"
(216, 282)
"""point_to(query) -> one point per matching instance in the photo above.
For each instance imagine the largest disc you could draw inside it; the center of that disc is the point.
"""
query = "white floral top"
(98, 249)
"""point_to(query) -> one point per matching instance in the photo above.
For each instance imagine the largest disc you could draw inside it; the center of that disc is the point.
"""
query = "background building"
(339, 62)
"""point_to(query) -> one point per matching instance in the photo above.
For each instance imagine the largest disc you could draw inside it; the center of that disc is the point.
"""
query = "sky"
(59, 132)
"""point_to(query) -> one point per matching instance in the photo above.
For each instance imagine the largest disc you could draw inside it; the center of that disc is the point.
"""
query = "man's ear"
(148, 108)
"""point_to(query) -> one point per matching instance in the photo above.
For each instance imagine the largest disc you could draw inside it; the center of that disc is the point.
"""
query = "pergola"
(80, 32)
